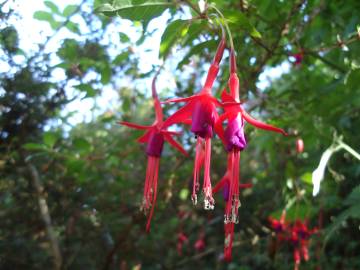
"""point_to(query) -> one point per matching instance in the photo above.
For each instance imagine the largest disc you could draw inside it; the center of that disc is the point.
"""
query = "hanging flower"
(235, 141)
(280, 228)
(279, 225)
(232, 218)
(200, 110)
(299, 237)
(154, 137)
(297, 234)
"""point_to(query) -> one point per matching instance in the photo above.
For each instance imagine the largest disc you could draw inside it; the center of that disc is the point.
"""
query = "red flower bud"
(299, 145)
(199, 244)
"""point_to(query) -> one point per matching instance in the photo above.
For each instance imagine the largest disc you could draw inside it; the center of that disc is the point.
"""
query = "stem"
(226, 26)
(153, 84)
(349, 149)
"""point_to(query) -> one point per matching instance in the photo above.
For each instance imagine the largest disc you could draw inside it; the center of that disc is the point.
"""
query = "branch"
(325, 61)
(45, 216)
(270, 50)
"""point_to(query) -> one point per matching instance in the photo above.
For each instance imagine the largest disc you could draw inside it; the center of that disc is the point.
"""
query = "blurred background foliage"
(70, 192)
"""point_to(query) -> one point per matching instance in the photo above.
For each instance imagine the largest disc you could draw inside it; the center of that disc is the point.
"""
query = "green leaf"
(54, 8)
(82, 145)
(73, 27)
(307, 178)
(75, 165)
(124, 38)
(70, 10)
(34, 146)
(352, 79)
(135, 9)
(105, 74)
(50, 138)
(43, 16)
(172, 33)
(121, 58)
(47, 17)
(238, 19)
(84, 87)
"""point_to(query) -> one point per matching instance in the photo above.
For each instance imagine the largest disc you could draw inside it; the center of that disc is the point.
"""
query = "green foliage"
(48, 17)
(238, 19)
(173, 32)
(136, 10)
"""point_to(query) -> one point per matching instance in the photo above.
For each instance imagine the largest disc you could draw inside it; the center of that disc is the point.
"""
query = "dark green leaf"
(124, 38)
(82, 145)
(105, 74)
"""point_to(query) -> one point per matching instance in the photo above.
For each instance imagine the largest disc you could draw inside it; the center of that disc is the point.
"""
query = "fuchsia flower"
(235, 141)
(154, 137)
(298, 235)
(279, 226)
(298, 58)
(225, 184)
(200, 110)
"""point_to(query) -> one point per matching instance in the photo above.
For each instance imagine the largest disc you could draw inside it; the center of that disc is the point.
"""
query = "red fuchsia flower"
(154, 137)
(199, 245)
(279, 226)
(300, 235)
(235, 141)
(225, 184)
(298, 58)
(200, 110)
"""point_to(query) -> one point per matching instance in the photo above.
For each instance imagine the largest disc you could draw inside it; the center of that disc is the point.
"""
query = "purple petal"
(203, 118)
(155, 145)
(234, 134)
